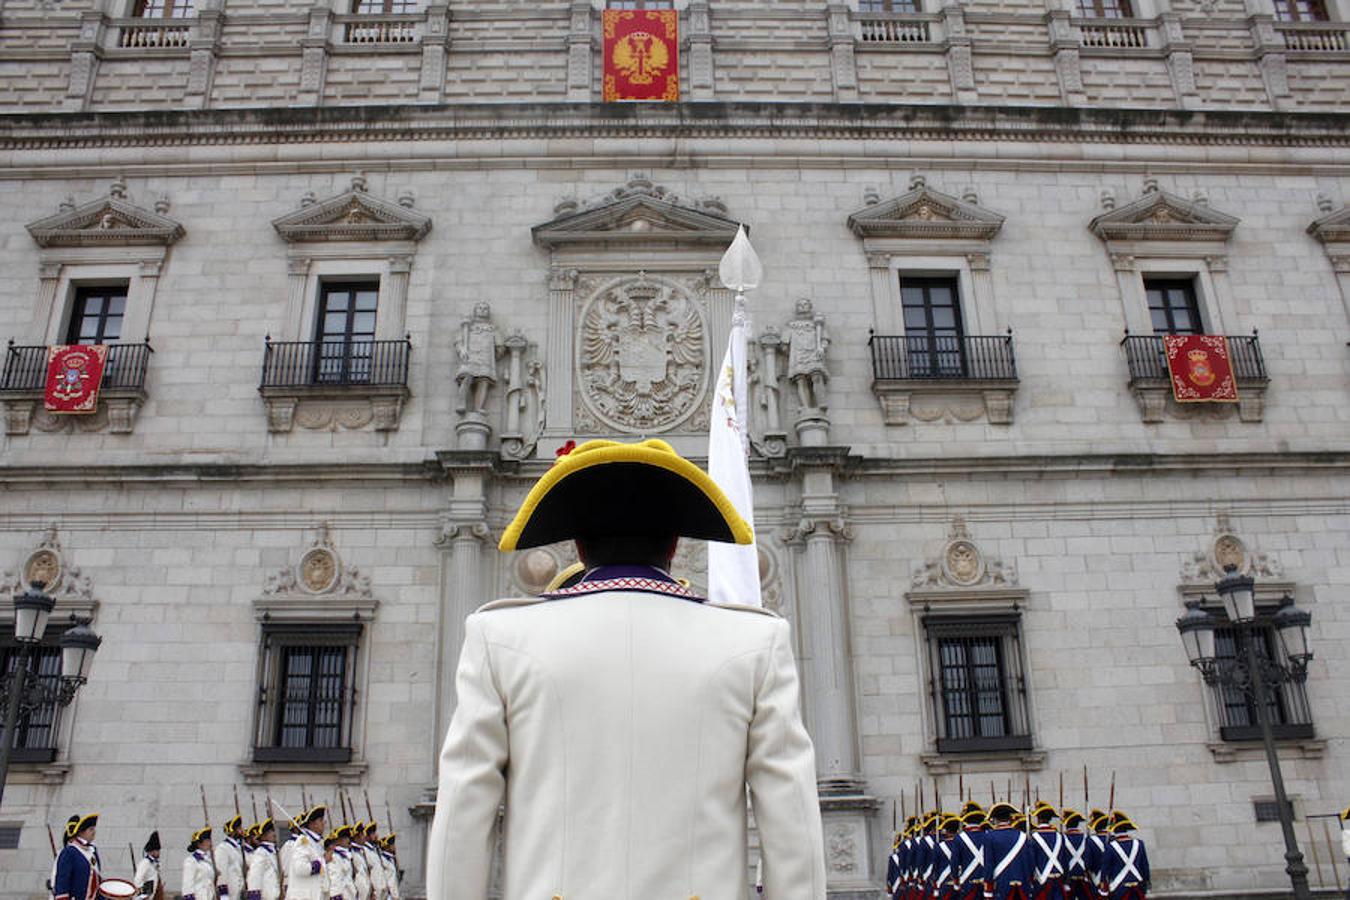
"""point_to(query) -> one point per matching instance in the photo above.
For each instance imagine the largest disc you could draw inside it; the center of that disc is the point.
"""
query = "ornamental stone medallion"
(962, 563)
(318, 570)
(642, 354)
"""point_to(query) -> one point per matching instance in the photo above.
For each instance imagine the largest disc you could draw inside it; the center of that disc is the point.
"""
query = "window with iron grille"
(889, 6)
(345, 332)
(1301, 11)
(37, 731)
(384, 7)
(1105, 9)
(164, 9)
(1287, 707)
(96, 314)
(307, 693)
(1172, 306)
(1269, 810)
(9, 835)
(976, 683)
(933, 328)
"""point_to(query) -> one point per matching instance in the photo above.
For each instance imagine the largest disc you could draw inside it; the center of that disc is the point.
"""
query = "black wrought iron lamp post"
(1254, 675)
(32, 609)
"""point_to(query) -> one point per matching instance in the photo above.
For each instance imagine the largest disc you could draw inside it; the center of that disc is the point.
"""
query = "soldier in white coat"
(621, 719)
(360, 868)
(365, 841)
(390, 861)
(341, 874)
(306, 867)
(146, 878)
(263, 881)
(199, 872)
(230, 861)
(1345, 842)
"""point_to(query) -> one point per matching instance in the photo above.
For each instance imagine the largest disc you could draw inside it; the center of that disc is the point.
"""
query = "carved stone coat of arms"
(642, 356)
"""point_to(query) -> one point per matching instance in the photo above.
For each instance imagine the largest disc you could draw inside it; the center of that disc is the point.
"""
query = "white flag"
(733, 569)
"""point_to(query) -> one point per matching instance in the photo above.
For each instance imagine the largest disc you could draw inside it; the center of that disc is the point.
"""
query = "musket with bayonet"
(206, 820)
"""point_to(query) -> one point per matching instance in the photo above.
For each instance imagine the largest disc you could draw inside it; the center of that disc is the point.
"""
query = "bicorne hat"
(603, 488)
(76, 824)
(152, 844)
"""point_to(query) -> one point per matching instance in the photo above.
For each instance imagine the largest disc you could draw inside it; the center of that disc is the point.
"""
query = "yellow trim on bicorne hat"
(1123, 824)
(1070, 815)
(80, 824)
(572, 574)
(200, 834)
(606, 487)
(233, 823)
(1345, 814)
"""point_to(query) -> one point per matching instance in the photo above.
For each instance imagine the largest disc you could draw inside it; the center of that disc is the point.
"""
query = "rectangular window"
(1172, 306)
(96, 316)
(1105, 9)
(1301, 11)
(888, 6)
(37, 729)
(345, 336)
(307, 693)
(1287, 707)
(384, 7)
(164, 9)
(976, 682)
(933, 332)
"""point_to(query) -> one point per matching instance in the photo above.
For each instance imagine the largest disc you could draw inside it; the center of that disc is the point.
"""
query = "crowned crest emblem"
(1198, 368)
(641, 56)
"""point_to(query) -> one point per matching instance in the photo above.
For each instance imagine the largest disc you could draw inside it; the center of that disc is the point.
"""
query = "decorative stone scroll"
(67, 583)
(318, 585)
(1225, 548)
(962, 565)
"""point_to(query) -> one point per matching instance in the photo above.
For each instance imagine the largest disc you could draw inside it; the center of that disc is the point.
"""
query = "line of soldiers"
(350, 862)
(1004, 854)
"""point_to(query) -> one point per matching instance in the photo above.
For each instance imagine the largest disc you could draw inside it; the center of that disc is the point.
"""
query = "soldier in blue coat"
(1125, 873)
(893, 866)
(944, 858)
(1047, 853)
(968, 858)
(906, 874)
(78, 866)
(1007, 859)
(925, 857)
(1077, 882)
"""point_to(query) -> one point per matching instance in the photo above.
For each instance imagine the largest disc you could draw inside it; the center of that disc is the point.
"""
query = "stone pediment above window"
(353, 216)
(111, 221)
(1332, 228)
(964, 578)
(640, 213)
(1163, 216)
(925, 214)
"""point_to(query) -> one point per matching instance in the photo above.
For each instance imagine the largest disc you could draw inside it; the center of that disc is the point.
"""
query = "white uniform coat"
(263, 879)
(304, 879)
(147, 872)
(199, 878)
(375, 871)
(621, 729)
(390, 874)
(230, 868)
(341, 876)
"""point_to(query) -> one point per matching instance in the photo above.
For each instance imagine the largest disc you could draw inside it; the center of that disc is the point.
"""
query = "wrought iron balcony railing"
(306, 364)
(1147, 361)
(123, 370)
(924, 357)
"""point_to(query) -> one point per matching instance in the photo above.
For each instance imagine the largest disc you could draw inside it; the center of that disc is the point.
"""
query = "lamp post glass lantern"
(32, 609)
(1249, 674)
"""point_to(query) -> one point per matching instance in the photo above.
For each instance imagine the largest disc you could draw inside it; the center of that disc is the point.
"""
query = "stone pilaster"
(561, 331)
(1180, 60)
(1270, 57)
(1065, 43)
(435, 47)
(580, 51)
(202, 58)
(959, 64)
(85, 53)
(843, 64)
(827, 672)
(700, 52)
(314, 56)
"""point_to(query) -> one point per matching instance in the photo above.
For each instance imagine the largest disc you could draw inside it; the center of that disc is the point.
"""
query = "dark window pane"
(96, 315)
(1173, 307)
(36, 730)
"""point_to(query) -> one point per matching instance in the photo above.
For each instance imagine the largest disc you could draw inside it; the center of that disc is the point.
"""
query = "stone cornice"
(490, 122)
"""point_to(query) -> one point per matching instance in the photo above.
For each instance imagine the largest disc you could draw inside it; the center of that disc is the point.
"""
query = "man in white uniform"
(263, 881)
(199, 872)
(306, 864)
(230, 866)
(622, 718)
(146, 878)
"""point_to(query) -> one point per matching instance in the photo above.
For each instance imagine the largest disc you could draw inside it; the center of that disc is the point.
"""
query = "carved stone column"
(959, 64)
(314, 56)
(1066, 43)
(700, 52)
(395, 299)
(1180, 61)
(85, 53)
(580, 50)
(202, 58)
(435, 47)
(843, 62)
(49, 276)
(562, 285)
(827, 673)
(297, 275)
(1271, 59)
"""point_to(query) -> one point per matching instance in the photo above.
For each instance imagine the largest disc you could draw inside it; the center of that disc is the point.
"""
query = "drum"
(116, 889)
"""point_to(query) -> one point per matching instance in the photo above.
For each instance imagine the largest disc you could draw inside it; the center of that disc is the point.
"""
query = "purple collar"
(643, 579)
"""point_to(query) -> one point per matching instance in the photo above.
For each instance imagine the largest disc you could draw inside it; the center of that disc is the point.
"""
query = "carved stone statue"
(524, 396)
(478, 350)
(806, 345)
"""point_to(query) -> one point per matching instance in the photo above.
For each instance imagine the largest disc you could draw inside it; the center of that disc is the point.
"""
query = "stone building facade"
(366, 271)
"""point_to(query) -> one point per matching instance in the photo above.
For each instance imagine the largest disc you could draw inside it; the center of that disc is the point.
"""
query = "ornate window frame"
(351, 235)
(1332, 231)
(319, 590)
(964, 583)
(927, 232)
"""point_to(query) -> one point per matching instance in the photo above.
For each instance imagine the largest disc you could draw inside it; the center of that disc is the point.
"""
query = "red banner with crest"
(74, 373)
(642, 54)
(1201, 369)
